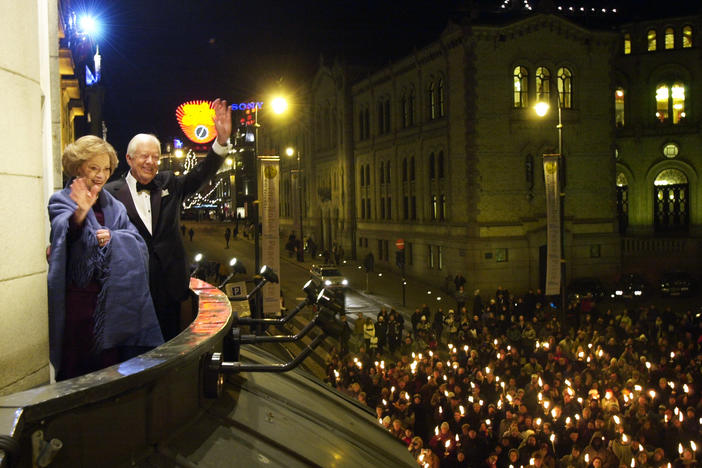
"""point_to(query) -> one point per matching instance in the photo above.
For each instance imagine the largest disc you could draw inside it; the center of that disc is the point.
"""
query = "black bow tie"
(148, 187)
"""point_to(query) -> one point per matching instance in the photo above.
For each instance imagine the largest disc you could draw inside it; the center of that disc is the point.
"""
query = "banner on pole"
(270, 228)
(553, 224)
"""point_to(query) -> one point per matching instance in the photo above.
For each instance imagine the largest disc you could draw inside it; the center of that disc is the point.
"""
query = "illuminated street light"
(279, 105)
(229, 161)
(89, 26)
(541, 108)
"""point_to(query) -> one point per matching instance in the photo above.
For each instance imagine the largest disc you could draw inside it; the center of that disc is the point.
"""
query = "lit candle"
(693, 445)
(616, 419)
(587, 458)
(680, 448)
(633, 463)
(625, 439)
(462, 410)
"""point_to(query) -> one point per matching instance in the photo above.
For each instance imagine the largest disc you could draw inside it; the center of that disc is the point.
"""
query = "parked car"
(677, 283)
(581, 287)
(631, 286)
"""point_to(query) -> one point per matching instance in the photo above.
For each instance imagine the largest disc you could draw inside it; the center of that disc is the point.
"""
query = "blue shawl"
(124, 314)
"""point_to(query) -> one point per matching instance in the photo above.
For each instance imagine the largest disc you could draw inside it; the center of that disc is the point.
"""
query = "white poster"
(553, 225)
(270, 237)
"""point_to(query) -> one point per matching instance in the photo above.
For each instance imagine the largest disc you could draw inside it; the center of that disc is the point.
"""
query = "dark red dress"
(78, 356)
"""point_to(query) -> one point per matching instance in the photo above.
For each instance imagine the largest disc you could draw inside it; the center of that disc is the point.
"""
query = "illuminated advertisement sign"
(196, 120)
(247, 106)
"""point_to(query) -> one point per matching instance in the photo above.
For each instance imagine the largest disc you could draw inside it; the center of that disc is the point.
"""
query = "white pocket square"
(164, 193)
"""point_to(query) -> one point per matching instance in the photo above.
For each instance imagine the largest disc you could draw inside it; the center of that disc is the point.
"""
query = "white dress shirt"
(142, 200)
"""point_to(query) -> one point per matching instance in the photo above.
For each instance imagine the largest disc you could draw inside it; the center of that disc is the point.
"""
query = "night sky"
(160, 53)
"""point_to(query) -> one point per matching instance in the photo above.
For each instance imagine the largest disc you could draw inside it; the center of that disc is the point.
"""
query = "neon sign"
(247, 106)
(196, 119)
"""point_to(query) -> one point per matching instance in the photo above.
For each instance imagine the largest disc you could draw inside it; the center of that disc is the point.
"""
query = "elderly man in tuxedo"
(153, 201)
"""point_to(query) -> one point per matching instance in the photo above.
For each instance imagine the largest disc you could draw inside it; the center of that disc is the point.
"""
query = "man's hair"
(139, 138)
(84, 149)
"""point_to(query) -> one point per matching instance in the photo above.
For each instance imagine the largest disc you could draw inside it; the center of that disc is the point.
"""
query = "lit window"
(521, 87)
(627, 44)
(543, 84)
(619, 107)
(678, 102)
(687, 37)
(565, 88)
(431, 101)
(670, 101)
(441, 99)
(651, 38)
(669, 38)
(670, 150)
(434, 207)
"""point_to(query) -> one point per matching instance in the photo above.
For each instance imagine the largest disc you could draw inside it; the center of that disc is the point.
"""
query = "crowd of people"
(507, 385)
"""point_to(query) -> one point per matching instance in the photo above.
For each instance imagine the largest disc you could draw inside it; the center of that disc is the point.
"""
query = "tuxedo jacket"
(168, 267)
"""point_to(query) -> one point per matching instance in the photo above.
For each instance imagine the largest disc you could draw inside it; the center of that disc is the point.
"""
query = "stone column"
(28, 54)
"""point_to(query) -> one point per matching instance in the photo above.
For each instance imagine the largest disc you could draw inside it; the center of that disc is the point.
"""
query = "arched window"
(387, 172)
(670, 102)
(521, 87)
(441, 165)
(619, 107)
(669, 38)
(432, 169)
(411, 169)
(431, 101)
(687, 37)
(368, 179)
(651, 40)
(543, 84)
(382, 172)
(404, 169)
(627, 43)
(671, 201)
(363, 178)
(565, 88)
(441, 98)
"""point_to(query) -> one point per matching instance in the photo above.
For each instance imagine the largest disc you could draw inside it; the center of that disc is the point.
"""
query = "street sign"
(400, 244)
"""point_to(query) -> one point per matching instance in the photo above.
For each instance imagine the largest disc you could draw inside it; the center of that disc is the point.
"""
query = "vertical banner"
(270, 229)
(553, 224)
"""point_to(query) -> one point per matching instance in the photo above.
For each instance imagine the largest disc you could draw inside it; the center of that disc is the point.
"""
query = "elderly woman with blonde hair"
(100, 309)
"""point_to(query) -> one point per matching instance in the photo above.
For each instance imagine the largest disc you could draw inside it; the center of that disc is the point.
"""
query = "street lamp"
(290, 151)
(541, 109)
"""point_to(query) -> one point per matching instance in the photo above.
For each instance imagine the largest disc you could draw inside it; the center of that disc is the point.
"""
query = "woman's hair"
(84, 149)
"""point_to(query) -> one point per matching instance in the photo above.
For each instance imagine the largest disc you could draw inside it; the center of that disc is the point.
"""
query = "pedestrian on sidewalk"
(182, 230)
(415, 319)
(381, 332)
(227, 236)
(460, 299)
(358, 330)
(191, 233)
